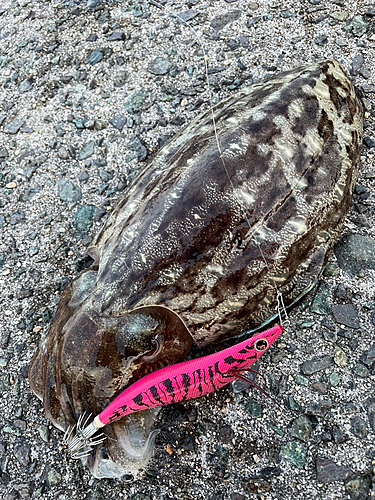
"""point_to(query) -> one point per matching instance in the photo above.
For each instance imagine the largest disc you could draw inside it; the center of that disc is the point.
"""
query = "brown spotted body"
(179, 237)
(184, 245)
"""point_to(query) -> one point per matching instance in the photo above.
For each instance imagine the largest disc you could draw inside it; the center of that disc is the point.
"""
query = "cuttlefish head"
(88, 358)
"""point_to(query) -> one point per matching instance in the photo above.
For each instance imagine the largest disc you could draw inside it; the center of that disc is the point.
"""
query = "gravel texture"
(90, 90)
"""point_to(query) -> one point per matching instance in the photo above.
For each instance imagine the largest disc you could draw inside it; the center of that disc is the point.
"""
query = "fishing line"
(279, 297)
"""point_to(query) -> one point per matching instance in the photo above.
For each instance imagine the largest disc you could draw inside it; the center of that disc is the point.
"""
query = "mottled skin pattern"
(184, 242)
(291, 146)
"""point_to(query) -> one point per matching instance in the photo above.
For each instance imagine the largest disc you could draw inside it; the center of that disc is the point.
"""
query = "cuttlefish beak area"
(87, 359)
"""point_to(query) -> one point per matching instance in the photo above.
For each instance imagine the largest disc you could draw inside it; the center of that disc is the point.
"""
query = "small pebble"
(329, 472)
(358, 487)
(334, 379)
(254, 409)
(358, 427)
(340, 358)
(295, 453)
(361, 370)
(301, 428)
(316, 364)
(346, 314)
(159, 66)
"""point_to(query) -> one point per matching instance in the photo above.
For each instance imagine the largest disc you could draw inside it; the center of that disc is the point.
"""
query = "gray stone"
(369, 142)
(53, 477)
(237, 496)
(338, 435)
(140, 496)
(116, 36)
(286, 14)
(11, 495)
(20, 424)
(321, 39)
(120, 79)
(254, 409)
(22, 453)
(23, 490)
(348, 408)
(89, 124)
(330, 336)
(24, 293)
(79, 122)
(136, 145)
(313, 408)
(93, 4)
(187, 15)
(33, 250)
(63, 153)
(358, 487)
(69, 191)
(118, 121)
(370, 409)
(357, 26)
(99, 213)
(316, 364)
(319, 387)
(358, 427)
(355, 253)
(357, 63)
(13, 127)
(30, 193)
(103, 187)
(159, 66)
(226, 434)
(44, 433)
(82, 219)
(87, 150)
(339, 15)
(3, 153)
(320, 303)
(135, 101)
(294, 452)
(137, 10)
(105, 176)
(368, 357)
(100, 124)
(95, 495)
(301, 428)
(222, 20)
(360, 189)
(95, 57)
(276, 429)
(361, 370)
(334, 379)
(346, 314)
(331, 269)
(328, 472)
(301, 380)
(17, 217)
(25, 86)
(340, 42)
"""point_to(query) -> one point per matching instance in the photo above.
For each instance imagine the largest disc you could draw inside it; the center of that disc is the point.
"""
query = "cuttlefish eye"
(261, 345)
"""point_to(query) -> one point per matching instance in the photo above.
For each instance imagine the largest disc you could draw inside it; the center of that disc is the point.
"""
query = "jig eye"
(261, 345)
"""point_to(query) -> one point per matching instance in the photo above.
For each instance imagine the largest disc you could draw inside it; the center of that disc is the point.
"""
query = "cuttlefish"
(200, 248)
